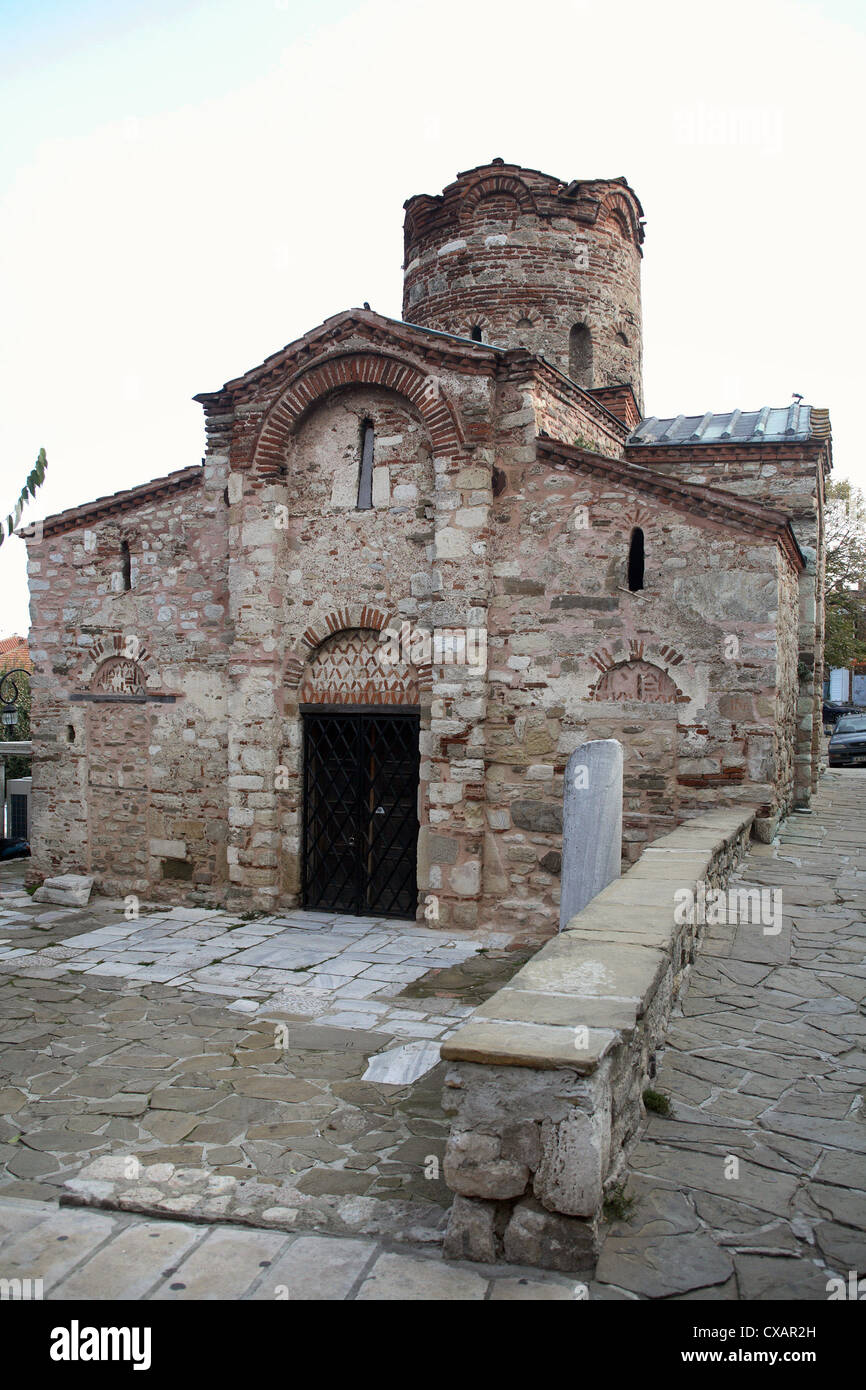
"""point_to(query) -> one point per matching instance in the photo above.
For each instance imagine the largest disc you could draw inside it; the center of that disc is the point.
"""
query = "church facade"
(343, 663)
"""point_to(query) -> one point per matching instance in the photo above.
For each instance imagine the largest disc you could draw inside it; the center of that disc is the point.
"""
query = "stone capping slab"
(518, 1043)
(607, 962)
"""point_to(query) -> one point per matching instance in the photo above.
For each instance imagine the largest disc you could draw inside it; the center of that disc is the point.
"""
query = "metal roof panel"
(770, 424)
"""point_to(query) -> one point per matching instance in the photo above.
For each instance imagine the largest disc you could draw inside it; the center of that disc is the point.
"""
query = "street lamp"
(9, 701)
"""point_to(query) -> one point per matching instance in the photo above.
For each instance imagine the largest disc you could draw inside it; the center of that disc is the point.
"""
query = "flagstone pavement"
(281, 1069)
(754, 1186)
(136, 1073)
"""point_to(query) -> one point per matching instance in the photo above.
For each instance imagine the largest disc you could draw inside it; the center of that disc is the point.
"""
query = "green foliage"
(656, 1101)
(35, 479)
(617, 1207)
(845, 584)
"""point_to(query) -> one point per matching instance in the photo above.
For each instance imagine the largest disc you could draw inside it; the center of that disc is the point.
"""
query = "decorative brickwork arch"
(351, 668)
(420, 387)
(636, 680)
(619, 210)
(345, 662)
(634, 677)
(528, 317)
(118, 676)
(497, 186)
(118, 663)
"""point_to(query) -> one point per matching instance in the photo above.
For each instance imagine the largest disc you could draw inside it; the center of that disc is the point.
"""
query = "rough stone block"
(471, 1232)
(544, 817)
(574, 1159)
(67, 890)
(474, 1167)
(534, 1236)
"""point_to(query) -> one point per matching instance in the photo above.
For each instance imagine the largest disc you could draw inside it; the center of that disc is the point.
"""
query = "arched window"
(636, 560)
(125, 566)
(580, 355)
(475, 333)
(365, 478)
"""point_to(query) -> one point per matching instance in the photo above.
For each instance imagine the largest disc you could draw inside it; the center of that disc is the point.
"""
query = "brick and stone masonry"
(180, 628)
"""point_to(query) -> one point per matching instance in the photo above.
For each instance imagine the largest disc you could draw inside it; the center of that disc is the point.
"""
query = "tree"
(35, 479)
(845, 584)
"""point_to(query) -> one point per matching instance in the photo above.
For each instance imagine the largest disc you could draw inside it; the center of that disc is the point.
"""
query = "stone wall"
(790, 476)
(695, 674)
(306, 563)
(547, 1077)
(129, 758)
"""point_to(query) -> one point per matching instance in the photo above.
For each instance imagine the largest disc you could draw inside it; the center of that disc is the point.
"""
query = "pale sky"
(185, 187)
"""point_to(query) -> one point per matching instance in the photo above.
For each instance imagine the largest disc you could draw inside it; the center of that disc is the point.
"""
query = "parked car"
(835, 709)
(13, 849)
(848, 742)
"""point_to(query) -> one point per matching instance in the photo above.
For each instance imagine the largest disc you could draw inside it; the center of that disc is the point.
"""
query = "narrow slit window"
(636, 560)
(365, 480)
(125, 567)
(475, 333)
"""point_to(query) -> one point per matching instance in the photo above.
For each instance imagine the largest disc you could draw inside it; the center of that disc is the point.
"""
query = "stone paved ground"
(271, 1070)
(766, 1066)
(162, 1095)
(99, 1255)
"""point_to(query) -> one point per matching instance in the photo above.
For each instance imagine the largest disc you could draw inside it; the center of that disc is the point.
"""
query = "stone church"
(342, 663)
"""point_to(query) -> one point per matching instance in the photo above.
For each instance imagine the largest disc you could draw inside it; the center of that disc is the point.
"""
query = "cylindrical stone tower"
(516, 258)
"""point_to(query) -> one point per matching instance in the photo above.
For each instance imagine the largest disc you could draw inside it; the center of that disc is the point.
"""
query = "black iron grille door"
(18, 816)
(361, 812)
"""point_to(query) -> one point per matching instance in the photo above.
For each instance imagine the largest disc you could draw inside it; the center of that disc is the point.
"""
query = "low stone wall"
(546, 1087)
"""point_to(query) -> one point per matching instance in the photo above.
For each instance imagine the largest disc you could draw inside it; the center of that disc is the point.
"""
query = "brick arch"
(353, 617)
(118, 647)
(497, 185)
(308, 386)
(619, 211)
(637, 679)
(637, 673)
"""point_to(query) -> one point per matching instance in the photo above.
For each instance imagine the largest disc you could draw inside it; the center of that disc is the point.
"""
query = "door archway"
(361, 720)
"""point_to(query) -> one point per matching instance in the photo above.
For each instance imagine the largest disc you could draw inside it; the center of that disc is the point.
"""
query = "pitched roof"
(692, 498)
(769, 425)
(459, 352)
(14, 652)
(101, 507)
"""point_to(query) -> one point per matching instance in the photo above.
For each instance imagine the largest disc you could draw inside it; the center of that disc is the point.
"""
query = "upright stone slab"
(591, 824)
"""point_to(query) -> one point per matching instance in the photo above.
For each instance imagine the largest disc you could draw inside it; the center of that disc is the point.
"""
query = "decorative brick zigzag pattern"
(349, 620)
(348, 669)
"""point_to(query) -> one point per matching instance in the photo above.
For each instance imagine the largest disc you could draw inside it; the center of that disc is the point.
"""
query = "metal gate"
(361, 812)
